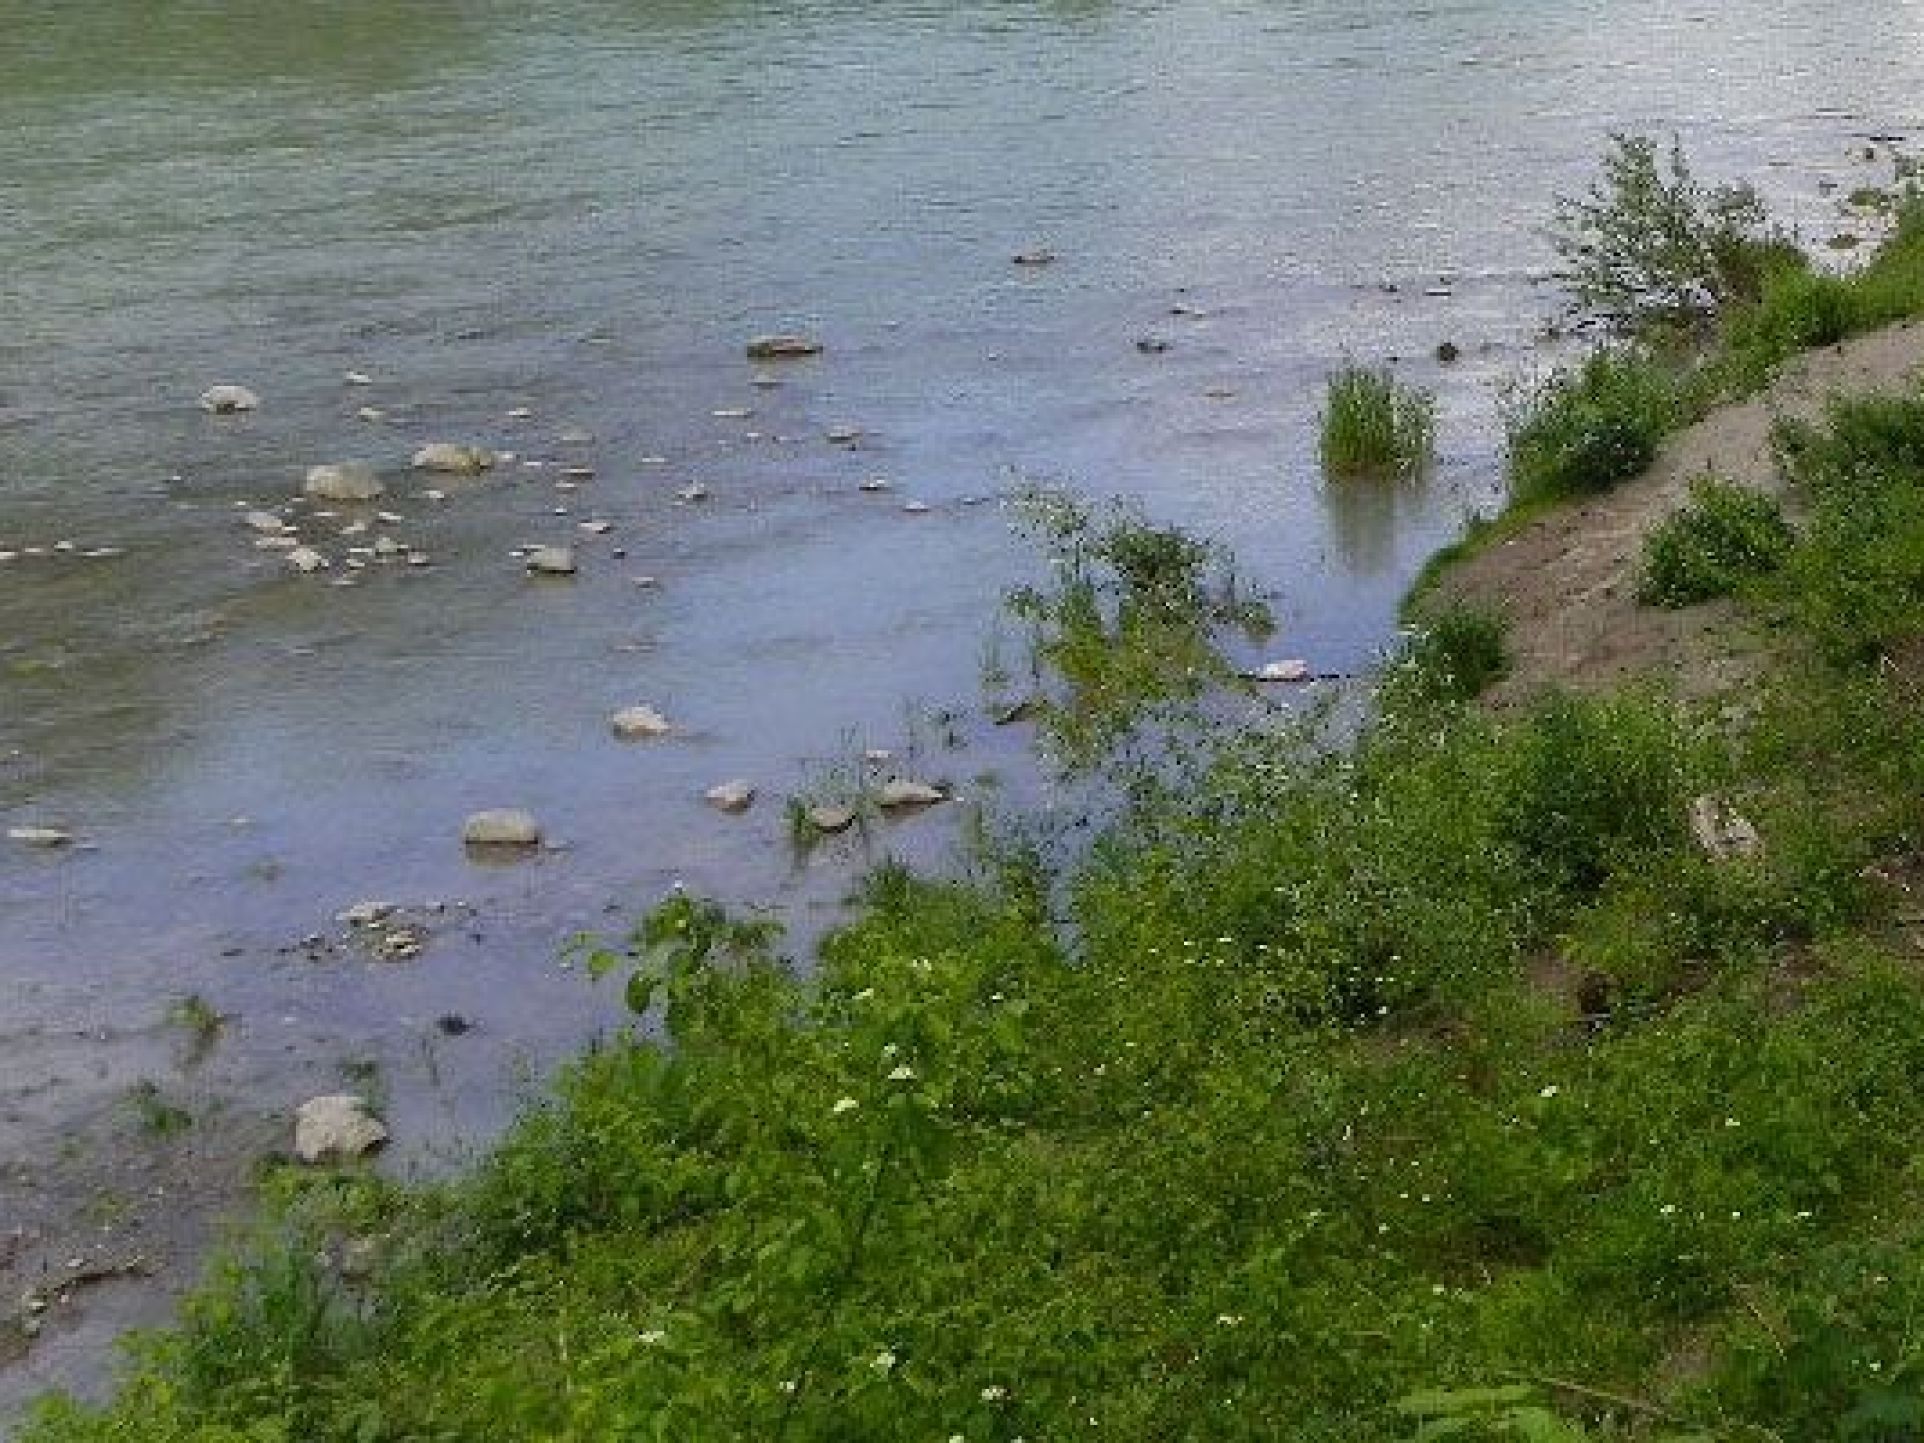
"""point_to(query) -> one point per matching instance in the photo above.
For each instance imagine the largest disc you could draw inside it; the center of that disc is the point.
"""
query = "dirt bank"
(1567, 581)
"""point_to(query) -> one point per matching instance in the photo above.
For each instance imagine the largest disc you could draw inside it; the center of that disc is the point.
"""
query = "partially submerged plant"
(1376, 425)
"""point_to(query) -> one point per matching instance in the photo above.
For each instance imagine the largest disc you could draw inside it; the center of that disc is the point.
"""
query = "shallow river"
(582, 209)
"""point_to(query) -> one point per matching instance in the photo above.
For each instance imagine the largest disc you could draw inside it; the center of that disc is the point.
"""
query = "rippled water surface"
(583, 209)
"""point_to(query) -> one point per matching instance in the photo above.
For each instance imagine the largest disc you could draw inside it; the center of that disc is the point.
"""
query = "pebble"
(782, 347)
(844, 435)
(915, 508)
(336, 1129)
(519, 413)
(1292, 669)
(39, 836)
(831, 818)
(732, 797)
(501, 827)
(370, 413)
(307, 560)
(357, 378)
(551, 560)
(389, 518)
(693, 492)
(433, 495)
(276, 543)
(452, 457)
(1038, 257)
(1152, 345)
(576, 438)
(639, 723)
(597, 528)
(877, 483)
(343, 481)
(732, 413)
(265, 522)
(225, 400)
(578, 473)
(899, 795)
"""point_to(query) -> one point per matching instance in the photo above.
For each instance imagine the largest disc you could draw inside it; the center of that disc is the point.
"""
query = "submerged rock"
(453, 458)
(639, 723)
(501, 827)
(343, 481)
(265, 522)
(338, 1128)
(225, 400)
(782, 347)
(306, 560)
(551, 561)
(732, 797)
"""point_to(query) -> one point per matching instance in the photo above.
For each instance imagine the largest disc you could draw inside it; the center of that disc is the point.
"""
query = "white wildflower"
(844, 1104)
(904, 1073)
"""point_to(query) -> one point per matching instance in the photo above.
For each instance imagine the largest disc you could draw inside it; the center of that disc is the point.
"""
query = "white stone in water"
(338, 1128)
(343, 481)
(357, 378)
(389, 518)
(576, 438)
(844, 435)
(694, 492)
(734, 796)
(831, 817)
(1291, 669)
(900, 794)
(225, 400)
(639, 723)
(519, 413)
(39, 836)
(502, 827)
(370, 413)
(433, 495)
(597, 528)
(386, 546)
(551, 560)
(276, 543)
(452, 457)
(916, 508)
(731, 413)
(306, 559)
(877, 483)
(265, 522)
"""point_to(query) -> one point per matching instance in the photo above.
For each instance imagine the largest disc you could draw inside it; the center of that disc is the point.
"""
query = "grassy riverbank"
(1555, 1074)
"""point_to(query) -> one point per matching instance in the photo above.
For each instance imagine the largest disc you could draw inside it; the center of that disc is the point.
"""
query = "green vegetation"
(1429, 1079)
(1726, 536)
(200, 1023)
(1375, 425)
(155, 1114)
(1587, 426)
(1440, 1084)
(1648, 247)
(1131, 625)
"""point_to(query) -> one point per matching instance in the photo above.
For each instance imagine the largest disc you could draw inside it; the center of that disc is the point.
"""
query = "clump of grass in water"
(1375, 425)
(1723, 538)
(200, 1023)
(157, 1116)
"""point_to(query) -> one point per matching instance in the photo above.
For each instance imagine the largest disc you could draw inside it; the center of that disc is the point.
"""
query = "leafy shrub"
(1586, 427)
(1453, 656)
(1647, 246)
(1375, 425)
(1722, 538)
(1856, 580)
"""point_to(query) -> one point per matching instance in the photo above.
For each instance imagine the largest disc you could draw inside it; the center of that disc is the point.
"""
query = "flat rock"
(732, 797)
(1724, 834)
(40, 836)
(782, 347)
(830, 817)
(501, 827)
(900, 794)
(343, 481)
(225, 400)
(551, 561)
(337, 1128)
(265, 522)
(307, 560)
(453, 458)
(639, 723)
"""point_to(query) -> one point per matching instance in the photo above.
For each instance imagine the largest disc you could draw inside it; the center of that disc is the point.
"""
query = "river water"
(581, 209)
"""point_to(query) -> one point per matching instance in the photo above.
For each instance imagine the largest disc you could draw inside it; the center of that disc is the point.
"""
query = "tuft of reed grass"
(1375, 425)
